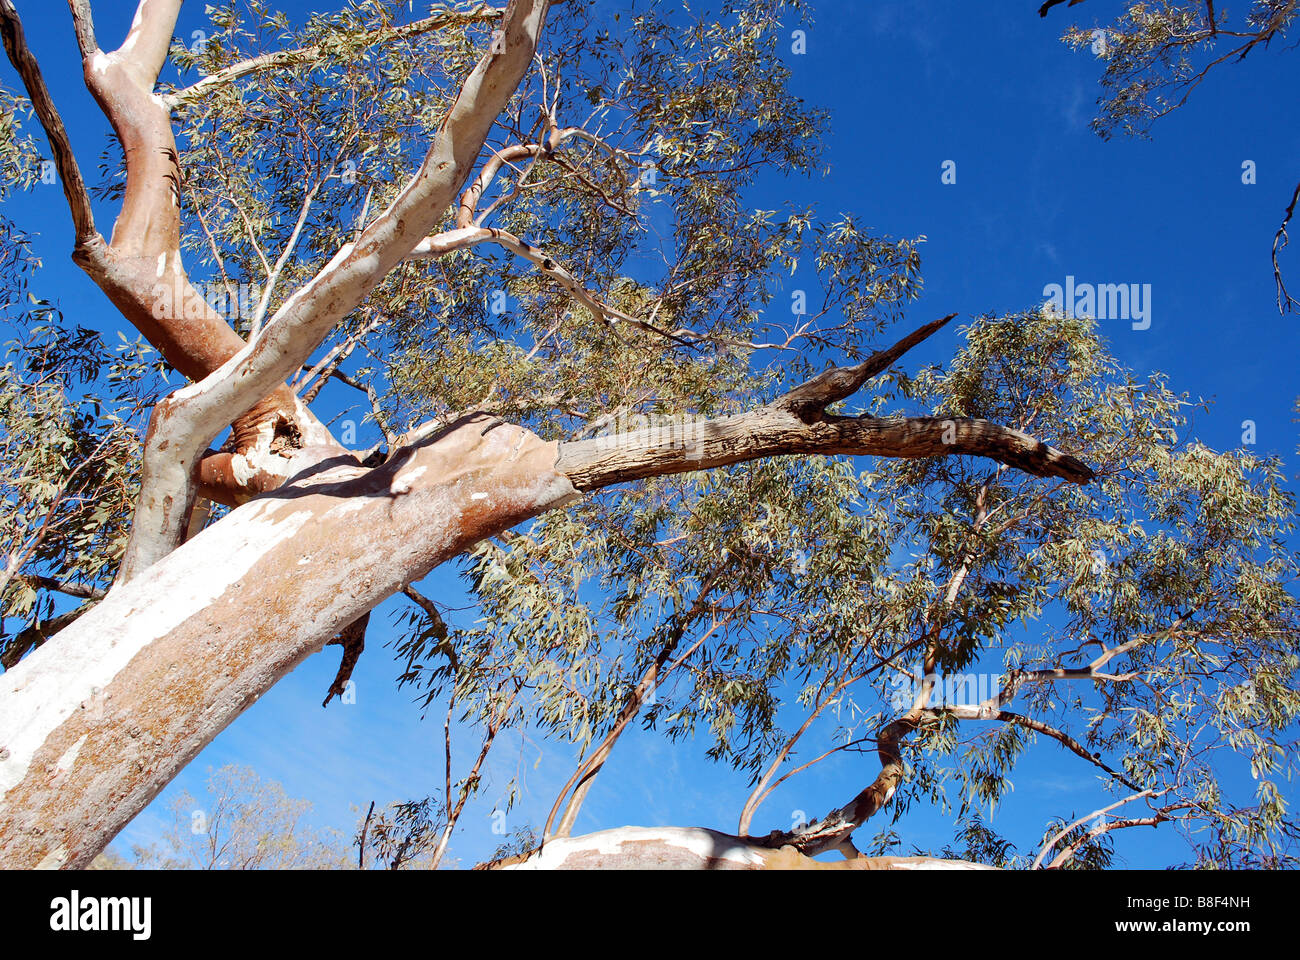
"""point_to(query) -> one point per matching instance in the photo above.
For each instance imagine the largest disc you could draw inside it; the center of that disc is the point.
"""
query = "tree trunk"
(95, 723)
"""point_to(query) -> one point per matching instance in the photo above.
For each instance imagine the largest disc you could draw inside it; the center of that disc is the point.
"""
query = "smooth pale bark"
(691, 848)
(97, 721)
(141, 270)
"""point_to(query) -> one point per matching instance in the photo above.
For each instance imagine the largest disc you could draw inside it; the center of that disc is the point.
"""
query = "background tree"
(527, 246)
(244, 823)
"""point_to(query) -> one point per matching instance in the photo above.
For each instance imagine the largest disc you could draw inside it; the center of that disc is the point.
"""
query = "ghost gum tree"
(520, 236)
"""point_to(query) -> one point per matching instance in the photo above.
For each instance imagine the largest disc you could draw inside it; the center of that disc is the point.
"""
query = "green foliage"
(521, 840)
(71, 412)
(777, 582)
(1091, 850)
(1176, 549)
(700, 102)
(19, 159)
(1157, 52)
(404, 836)
(981, 844)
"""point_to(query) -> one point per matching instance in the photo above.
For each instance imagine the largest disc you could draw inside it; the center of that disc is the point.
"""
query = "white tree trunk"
(97, 721)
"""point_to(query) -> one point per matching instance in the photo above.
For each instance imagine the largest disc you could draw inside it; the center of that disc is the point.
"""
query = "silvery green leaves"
(477, 329)
(70, 421)
(72, 409)
(1195, 586)
(1155, 56)
(362, 111)
(19, 156)
(553, 263)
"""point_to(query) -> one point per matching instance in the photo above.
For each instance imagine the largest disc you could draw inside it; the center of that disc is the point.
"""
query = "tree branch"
(835, 830)
(581, 780)
(141, 271)
(1106, 826)
(796, 423)
(186, 422)
(273, 275)
(470, 783)
(1065, 740)
(837, 383)
(83, 24)
(148, 41)
(765, 785)
(436, 621)
(1042, 11)
(353, 641)
(82, 591)
(770, 431)
(1285, 301)
(301, 56)
(20, 55)
(1064, 831)
(37, 634)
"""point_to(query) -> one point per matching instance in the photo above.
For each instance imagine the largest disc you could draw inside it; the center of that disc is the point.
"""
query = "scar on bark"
(353, 641)
(286, 436)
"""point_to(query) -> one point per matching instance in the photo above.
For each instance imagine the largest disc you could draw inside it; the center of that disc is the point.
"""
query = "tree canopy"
(524, 239)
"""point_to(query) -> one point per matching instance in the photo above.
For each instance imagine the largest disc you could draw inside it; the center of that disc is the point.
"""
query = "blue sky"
(1038, 197)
